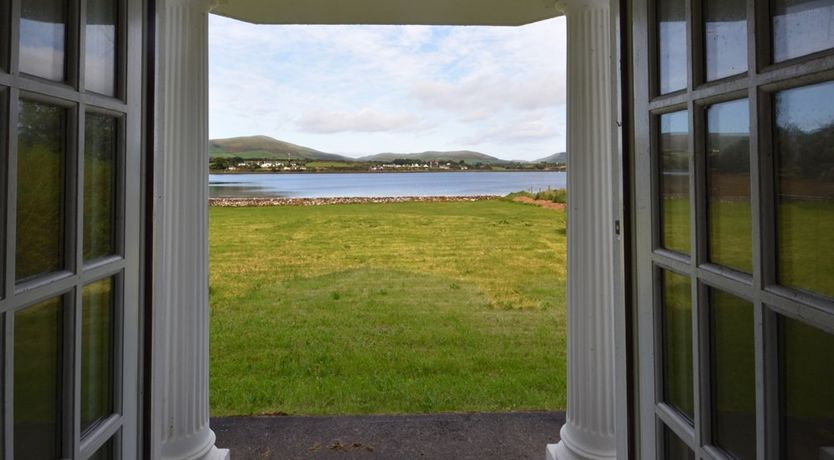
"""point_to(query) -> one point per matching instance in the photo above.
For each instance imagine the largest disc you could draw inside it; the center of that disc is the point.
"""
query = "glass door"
(70, 133)
(734, 168)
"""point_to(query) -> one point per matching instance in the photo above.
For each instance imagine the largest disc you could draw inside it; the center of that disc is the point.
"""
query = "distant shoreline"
(232, 173)
(264, 202)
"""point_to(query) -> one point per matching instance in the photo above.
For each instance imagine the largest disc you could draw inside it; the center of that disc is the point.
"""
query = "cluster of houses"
(420, 166)
(267, 164)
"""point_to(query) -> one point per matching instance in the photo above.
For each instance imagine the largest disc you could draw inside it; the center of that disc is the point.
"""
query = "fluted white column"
(590, 429)
(181, 310)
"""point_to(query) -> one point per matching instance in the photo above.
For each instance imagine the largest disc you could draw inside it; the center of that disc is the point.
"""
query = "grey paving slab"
(510, 436)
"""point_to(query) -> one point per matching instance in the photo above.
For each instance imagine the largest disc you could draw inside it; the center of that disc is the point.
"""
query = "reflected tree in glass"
(100, 167)
(807, 373)
(671, 40)
(41, 165)
(801, 27)
(728, 184)
(805, 188)
(43, 38)
(97, 352)
(105, 452)
(38, 365)
(732, 375)
(101, 41)
(725, 31)
(676, 324)
(674, 181)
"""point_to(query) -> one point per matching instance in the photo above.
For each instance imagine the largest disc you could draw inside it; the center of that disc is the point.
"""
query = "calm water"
(380, 184)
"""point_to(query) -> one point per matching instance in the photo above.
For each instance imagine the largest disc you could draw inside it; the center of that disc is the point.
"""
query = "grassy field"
(387, 308)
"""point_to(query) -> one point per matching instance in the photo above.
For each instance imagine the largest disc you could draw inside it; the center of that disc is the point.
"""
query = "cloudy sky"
(358, 90)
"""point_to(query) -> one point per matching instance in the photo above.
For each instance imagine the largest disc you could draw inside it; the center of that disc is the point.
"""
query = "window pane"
(99, 186)
(43, 38)
(40, 189)
(733, 379)
(671, 30)
(728, 183)
(726, 37)
(100, 65)
(674, 448)
(807, 374)
(38, 363)
(801, 27)
(97, 353)
(674, 181)
(676, 318)
(805, 187)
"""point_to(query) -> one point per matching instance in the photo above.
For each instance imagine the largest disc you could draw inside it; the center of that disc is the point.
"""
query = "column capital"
(567, 6)
(202, 5)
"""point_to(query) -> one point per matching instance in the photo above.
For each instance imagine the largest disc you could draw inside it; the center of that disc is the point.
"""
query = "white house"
(700, 287)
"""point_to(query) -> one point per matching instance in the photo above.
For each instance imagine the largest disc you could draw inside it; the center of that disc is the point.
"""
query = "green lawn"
(387, 308)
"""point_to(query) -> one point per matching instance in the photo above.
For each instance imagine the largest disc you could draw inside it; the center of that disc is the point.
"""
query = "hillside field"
(387, 308)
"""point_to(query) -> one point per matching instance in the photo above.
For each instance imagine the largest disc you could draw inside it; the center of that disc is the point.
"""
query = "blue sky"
(358, 90)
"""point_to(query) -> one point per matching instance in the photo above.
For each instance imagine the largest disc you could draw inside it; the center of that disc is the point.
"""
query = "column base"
(217, 454)
(567, 450)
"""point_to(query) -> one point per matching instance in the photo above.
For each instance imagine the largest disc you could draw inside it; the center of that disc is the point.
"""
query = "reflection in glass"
(100, 64)
(801, 27)
(674, 448)
(38, 363)
(733, 377)
(725, 24)
(97, 352)
(807, 373)
(671, 31)
(728, 184)
(99, 186)
(40, 185)
(43, 38)
(676, 319)
(674, 181)
(805, 187)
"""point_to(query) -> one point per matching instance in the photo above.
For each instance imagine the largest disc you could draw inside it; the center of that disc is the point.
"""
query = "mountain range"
(267, 148)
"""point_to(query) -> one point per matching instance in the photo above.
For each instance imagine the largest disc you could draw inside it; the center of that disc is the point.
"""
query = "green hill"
(560, 157)
(456, 156)
(266, 148)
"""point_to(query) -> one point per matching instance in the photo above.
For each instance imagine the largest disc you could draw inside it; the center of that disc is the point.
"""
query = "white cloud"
(363, 121)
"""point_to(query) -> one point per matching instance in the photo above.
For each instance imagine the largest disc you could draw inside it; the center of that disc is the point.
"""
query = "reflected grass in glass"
(676, 324)
(41, 168)
(97, 352)
(38, 367)
(100, 168)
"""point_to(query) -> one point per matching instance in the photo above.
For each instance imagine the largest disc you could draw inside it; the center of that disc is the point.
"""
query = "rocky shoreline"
(262, 202)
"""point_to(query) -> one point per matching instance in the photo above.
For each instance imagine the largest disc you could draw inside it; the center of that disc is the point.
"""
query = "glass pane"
(100, 65)
(728, 183)
(38, 363)
(105, 452)
(733, 379)
(43, 38)
(99, 186)
(801, 27)
(674, 448)
(674, 181)
(671, 30)
(725, 23)
(805, 187)
(808, 400)
(40, 189)
(676, 318)
(97, 352)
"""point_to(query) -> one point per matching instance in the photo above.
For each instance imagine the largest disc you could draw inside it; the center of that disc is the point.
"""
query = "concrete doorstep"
(510, 436)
